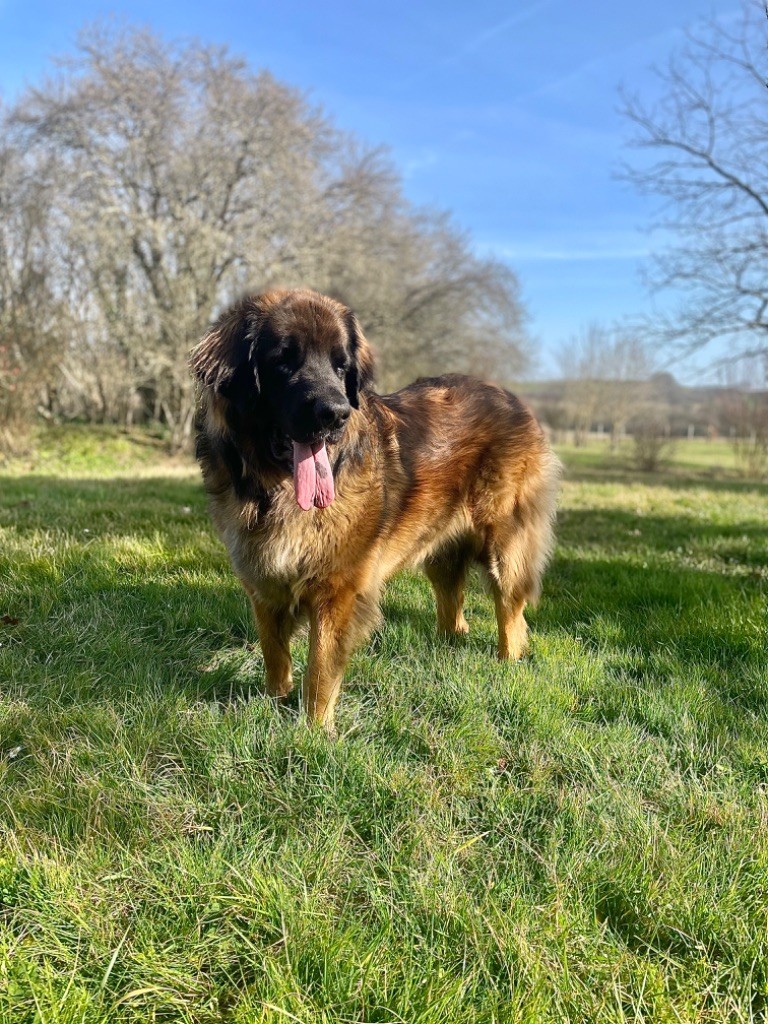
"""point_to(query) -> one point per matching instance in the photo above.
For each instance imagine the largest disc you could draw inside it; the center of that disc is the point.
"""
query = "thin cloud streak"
(476, 42)
(518, 18)
(663, 40)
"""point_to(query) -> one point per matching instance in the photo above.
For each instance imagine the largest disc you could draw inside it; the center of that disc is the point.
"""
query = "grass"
(580, 837)
(698, 459)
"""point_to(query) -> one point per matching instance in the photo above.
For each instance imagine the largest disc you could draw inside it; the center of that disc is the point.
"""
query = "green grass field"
(581, 837)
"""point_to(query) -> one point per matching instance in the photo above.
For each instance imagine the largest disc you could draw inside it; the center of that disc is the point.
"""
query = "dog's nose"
(332, 413)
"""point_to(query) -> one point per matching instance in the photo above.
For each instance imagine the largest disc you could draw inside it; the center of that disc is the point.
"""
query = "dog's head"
(283, 371)
(299, 355)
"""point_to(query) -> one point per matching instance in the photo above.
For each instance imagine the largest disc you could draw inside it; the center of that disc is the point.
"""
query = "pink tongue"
(304, 476)
(312, 475)
(324, 493)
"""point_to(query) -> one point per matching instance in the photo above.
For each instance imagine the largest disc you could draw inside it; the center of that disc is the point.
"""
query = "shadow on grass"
(746, 541)
(38, 502)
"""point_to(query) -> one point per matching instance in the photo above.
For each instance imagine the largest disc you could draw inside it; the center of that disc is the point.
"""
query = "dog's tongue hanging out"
(312, 475)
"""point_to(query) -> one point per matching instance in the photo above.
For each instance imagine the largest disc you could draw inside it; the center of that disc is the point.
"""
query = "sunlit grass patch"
(581, 836)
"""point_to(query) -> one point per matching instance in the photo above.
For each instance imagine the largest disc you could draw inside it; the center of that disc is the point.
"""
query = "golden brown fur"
(447, 472)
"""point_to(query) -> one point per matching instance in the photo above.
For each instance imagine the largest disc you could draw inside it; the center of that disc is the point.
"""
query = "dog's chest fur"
(281, 553)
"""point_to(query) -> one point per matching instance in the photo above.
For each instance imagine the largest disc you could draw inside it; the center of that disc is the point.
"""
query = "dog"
(321, 489)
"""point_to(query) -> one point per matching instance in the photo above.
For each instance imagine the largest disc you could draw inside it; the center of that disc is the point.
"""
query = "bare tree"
(650, 437)
(706, 142)
(627, 366)
(607, 372)
(177, 177)
(27, 302)
(422, 295)
(186, 175)
(743, 411)
(581, 364)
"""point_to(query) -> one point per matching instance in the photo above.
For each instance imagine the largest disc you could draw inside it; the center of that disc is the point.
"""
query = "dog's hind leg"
(513, 629)
(506, 560)
(518, 546)
(275, 628)
(447, 572)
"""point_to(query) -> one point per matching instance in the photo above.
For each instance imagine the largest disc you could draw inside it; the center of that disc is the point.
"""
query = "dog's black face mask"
(303, 385)
(302, 377)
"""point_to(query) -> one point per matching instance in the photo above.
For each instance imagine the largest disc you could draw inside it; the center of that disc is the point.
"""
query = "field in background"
(72, 449)
(704, 459)
(580, 837)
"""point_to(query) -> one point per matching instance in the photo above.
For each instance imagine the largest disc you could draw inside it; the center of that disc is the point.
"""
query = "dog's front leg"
(332, 633)
(275, 627)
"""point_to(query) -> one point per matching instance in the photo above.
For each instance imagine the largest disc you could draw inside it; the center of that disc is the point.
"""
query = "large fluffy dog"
(321, 489)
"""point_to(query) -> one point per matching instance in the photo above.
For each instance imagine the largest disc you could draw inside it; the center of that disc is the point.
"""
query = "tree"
(177, 178)
(181, 175)
(581, 366)
(606, 372)
(743, 412)
(707, 143)
(28, 305)
(627, 368)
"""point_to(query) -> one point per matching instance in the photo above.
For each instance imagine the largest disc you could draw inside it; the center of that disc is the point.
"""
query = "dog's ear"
(227, 354)
(362, 366)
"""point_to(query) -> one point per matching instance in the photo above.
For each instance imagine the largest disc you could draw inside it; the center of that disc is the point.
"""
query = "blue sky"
(505, 113)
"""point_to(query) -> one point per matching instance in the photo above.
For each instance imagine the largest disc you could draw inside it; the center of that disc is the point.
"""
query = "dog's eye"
(287, 357)
(340, 365)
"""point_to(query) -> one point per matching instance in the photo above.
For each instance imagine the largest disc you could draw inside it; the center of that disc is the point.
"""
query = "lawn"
(580, 837)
